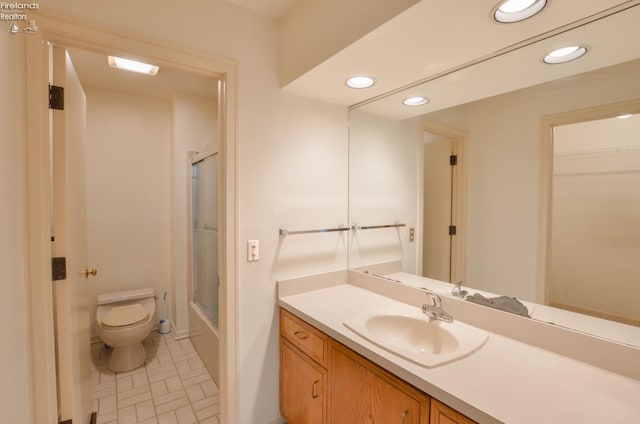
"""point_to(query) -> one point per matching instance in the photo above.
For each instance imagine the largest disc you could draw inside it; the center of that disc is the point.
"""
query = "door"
(438, 186)
(206, 235)
(392, 405)
(69, 240)
(302, 393)
(350, 391)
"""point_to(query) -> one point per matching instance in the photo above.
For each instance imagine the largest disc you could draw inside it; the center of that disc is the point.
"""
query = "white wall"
(14, 312)
(385, 158)
(292, 168)
(128, 189)
(504, 171)
(195, 128)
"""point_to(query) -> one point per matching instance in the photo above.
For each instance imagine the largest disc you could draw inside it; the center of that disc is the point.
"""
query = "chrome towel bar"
(283, 232)
(356, 227)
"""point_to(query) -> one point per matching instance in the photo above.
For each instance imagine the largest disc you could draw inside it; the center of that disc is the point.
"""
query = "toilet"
(123, 320)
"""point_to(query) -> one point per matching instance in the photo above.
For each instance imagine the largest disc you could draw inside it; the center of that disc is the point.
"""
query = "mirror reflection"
(531, 193)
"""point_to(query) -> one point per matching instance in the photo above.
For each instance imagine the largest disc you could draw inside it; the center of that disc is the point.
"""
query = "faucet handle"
(435, 299)
(457, 290)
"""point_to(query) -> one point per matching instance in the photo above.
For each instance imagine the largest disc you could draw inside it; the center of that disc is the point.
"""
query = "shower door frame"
(197, 158)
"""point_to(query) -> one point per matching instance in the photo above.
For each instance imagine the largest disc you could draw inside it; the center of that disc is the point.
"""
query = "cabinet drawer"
(306, 338)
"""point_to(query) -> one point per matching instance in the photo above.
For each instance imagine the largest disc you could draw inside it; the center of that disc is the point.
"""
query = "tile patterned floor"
(173, 387)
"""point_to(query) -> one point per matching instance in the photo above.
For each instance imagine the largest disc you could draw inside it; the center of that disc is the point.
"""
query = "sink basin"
(405, 331)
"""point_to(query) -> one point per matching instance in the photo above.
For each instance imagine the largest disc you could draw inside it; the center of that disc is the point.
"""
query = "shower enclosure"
(205, 236)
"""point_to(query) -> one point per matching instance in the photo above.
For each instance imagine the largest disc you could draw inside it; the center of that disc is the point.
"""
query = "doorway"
(79, 36)
(595, 207)
(443, 204)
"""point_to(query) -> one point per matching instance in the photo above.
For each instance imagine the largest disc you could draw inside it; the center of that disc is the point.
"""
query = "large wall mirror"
(517, 178)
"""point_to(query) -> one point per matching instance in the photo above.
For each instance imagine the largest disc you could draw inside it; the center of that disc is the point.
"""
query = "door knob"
(89, 271)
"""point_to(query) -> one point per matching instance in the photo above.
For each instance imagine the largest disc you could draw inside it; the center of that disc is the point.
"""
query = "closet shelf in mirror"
(604, 172)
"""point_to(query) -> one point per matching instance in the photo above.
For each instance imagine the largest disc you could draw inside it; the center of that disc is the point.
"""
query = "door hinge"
(453, 160)
(56, 97)
(58, 268)
(452, 230)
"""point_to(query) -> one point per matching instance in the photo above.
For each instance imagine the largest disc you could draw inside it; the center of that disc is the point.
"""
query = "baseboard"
(178, 335)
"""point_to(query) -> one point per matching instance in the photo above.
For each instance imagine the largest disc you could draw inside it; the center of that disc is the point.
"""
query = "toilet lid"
(121, 316)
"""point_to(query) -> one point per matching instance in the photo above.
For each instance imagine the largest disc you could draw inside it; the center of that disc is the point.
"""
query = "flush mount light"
(360, 82)
(415, 101)
(132, 65)
(509, 11)
(564, 54)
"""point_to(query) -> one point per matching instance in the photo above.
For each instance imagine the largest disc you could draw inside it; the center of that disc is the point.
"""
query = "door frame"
(458, 139)
(546, 179)
(62, 30)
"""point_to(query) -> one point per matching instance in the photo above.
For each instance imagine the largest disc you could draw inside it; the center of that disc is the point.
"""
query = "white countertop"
(504, 381)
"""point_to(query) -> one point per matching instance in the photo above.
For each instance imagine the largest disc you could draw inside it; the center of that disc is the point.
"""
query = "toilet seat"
(124, 316)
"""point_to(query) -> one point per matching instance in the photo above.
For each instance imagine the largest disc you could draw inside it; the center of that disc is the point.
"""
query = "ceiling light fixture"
(360, 82)
(565, 54)
(415, 101)
(509, 11)
(624, 116)
(132, 65)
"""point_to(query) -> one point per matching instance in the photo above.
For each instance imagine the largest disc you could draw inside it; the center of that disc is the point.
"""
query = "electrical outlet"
(253, 250)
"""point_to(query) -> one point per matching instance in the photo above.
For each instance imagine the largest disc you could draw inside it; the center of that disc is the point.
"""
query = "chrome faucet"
(457, 290)
(434, 309)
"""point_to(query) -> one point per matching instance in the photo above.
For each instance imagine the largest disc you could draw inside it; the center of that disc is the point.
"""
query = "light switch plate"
(253, 250)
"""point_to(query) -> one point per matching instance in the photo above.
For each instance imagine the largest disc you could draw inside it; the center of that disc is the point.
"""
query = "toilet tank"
(124, 296)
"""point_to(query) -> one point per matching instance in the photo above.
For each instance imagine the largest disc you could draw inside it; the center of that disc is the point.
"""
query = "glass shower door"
(205, 236)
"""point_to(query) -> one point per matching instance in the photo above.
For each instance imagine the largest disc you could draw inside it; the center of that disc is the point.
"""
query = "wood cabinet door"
(442, 414)
(390, 405)
(302, 387)
(350, 391)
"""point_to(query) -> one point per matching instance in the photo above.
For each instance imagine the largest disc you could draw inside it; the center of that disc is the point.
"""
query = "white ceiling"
(611, 40)
(93, 71)
(270, 8)
(428, 39)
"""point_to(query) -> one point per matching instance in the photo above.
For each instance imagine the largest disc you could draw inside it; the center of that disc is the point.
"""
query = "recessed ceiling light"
(360, 82)
(564, 54)
(132, 65)
(624, 116)
(415, 101)
(509, 11)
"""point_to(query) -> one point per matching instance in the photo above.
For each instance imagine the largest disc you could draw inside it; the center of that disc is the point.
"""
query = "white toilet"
(123, 320)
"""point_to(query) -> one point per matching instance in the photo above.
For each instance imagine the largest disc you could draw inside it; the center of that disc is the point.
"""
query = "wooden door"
(303, 387)
(390, 405)
(350, 392)
(442, 414)
(70, 242)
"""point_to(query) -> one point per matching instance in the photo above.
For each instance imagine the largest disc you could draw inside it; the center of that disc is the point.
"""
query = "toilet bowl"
(123, 320)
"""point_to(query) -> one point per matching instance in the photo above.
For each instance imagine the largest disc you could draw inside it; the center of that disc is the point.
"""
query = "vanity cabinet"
(303, 371)
(325, 382)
